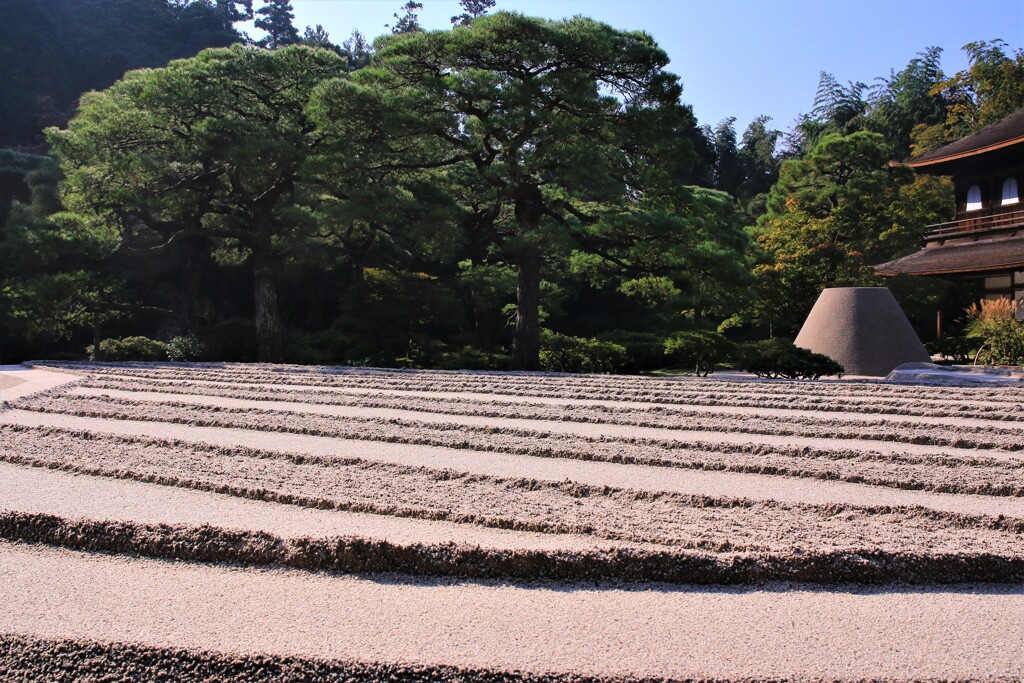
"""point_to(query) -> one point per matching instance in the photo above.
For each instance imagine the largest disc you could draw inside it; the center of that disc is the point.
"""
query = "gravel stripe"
(18, 382)
(721, 431)
(919, 411)
(36, 490)
(642, 478)
(550, 384)
(682, 522)
(640, 631)
(758, 420)
(936, 472)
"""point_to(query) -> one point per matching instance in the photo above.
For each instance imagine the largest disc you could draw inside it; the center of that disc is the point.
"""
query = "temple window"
(998, 282)
(1010, 195)
(973, 198)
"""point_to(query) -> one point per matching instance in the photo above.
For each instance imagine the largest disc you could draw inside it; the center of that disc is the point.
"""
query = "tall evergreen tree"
(357, 51)
(212, 147)
(409, 20)
(728, 166)
(276, 19)
(318, 37)
(472, 9)
(53, 51)
(905, 100)
(528, 105)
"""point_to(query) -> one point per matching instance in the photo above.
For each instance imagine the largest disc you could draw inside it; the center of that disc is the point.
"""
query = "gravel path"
(17, 382)
(974, 416)
(938, 471)
(35, 490)
(727, 634)
(596, 474)
(899, 428)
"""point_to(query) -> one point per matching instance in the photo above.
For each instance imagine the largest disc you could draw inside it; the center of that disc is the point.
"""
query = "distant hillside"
(52, 51)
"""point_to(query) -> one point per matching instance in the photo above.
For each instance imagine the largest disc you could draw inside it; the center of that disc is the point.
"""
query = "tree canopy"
(562, 123)
(208, 147)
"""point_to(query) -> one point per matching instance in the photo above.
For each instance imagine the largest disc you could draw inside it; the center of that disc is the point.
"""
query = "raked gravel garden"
(290, 523)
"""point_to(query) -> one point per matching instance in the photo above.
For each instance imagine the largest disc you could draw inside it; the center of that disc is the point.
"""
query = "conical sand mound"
(864, 329)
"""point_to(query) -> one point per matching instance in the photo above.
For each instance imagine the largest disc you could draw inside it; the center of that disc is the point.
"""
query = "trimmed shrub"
(562, 353)
(129, 348)
(953, 349)
(469, 358)
(699, 349)
(645, 350)
(780, 358)
(189, 348)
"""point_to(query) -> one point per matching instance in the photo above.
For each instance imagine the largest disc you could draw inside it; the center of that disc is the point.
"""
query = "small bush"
(129, 348)
(994, 324)
(955, 349)
(777, 358)
(562, 353)
(189, 348)
(699, 349)
(469, 358)
(645, 350)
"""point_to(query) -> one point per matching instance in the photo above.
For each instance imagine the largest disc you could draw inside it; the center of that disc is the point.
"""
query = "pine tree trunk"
(526, 343)
(269, 334)
(97, 340)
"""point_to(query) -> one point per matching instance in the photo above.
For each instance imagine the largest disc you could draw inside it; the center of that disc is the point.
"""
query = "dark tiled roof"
(1004, 132)
(997, 253)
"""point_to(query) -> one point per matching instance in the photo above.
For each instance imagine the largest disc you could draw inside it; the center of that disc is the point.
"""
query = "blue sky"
(744, 58)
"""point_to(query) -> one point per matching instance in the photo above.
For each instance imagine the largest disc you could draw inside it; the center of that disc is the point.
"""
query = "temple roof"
(1003, 133)
(999, 253)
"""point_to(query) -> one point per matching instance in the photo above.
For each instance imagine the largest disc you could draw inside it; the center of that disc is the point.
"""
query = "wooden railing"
(994, 219)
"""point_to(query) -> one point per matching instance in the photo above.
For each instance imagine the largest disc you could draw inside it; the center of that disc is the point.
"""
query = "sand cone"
(864, 329)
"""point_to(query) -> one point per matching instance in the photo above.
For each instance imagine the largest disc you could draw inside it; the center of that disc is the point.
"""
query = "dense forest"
(512, 192)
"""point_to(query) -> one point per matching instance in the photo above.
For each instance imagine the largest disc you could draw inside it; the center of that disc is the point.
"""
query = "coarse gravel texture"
(782, 632)
(556, 526)
(994, 473)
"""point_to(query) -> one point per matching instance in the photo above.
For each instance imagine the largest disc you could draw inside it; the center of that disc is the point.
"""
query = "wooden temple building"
(986, 240)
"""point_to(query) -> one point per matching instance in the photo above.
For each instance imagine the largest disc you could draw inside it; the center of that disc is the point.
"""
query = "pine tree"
(409, 22)
(318, 37)
(472, 9)
(276, 19)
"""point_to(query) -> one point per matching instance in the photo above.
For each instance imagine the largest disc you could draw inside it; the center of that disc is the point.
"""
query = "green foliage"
(780, 358)
(472, 9)
(129, 348)
(409, 20)
(903, 104)
(187, 348)
(994, 323)
(991, 88)
(832, 215)
(560, 125)
(469, 358)
(52, 51)
(562, 353)
(699, 349)
(276, 18)
(211, 147)
(645, 350)
(318, 37)
(953, 349)
(435, 199)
